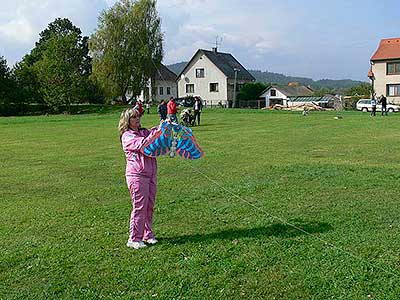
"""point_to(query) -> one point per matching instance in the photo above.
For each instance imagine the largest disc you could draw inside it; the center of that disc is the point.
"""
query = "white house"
(280, 94)
(385, 70)
(213, 75)
(161, 86)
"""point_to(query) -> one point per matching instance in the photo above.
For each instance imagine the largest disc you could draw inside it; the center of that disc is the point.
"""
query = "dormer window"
(200, 73)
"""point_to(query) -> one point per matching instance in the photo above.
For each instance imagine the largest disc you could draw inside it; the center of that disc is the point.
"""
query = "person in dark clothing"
(197, 107)
(162, 110)
(383, 102)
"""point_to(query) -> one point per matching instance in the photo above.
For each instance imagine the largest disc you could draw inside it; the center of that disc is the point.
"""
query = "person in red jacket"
(172, 110)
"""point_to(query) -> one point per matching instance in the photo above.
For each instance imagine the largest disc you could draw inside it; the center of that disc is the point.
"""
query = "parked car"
(365, 106)
(186, 101)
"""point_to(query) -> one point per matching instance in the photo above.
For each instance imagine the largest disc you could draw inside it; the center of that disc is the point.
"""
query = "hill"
(178, 67)
(276, 78)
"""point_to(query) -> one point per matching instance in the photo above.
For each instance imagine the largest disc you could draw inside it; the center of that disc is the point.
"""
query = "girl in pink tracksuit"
(141, 178)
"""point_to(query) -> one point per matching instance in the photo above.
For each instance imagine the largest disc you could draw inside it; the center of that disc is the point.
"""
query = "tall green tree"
(251, 90)
(8, 90)
(4, 79)
(127, 47)
(57, 70)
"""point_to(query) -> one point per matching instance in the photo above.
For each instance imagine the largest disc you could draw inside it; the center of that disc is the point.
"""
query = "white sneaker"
(135, 245)
(151, 241)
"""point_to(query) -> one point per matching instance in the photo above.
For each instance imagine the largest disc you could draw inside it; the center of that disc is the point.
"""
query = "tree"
(61, 82)
(8, 90)
(127, 47)
(57, 70)
(359, 90)
(251, 91)
(4, 79)
(27, 82)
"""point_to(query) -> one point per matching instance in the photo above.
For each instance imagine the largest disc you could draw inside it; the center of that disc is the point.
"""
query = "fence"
(228, 104)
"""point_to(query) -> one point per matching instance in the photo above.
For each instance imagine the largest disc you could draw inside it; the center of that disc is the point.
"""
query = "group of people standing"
(170, 110)
(383, 102)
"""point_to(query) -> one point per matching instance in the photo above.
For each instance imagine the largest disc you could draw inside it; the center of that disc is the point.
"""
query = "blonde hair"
(124, 119)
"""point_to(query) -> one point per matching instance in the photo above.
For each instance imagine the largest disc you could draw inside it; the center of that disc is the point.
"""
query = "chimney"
(215, 49)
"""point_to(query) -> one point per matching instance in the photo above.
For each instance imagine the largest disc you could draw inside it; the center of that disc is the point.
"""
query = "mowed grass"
(281, 207)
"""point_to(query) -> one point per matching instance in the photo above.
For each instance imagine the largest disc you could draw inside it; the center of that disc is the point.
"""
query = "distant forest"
(280, 79)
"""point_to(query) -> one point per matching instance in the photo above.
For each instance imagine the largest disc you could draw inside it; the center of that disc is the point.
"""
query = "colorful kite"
(172, 138)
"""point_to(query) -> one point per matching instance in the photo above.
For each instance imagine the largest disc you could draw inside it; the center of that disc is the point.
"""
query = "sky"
(308, 38)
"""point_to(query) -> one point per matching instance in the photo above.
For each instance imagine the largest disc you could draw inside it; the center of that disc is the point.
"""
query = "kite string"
(268, 213)
(285, 222)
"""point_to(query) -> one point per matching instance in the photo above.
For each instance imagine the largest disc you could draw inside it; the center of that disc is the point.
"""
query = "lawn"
(281, 207)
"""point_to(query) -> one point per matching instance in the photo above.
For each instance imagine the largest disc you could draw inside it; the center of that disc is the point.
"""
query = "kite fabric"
(170, 136)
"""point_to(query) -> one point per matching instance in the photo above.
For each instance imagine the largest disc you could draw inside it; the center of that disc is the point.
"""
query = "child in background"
(148, 107)
(139, 107)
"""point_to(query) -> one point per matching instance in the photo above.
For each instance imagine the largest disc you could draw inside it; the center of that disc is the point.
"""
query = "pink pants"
(143, 194)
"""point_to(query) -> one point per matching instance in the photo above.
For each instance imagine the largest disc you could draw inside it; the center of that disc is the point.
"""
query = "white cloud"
(18, 31)
(263, 34)
(21, 21)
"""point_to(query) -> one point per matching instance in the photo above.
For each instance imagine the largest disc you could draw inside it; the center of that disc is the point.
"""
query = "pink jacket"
(136, 162)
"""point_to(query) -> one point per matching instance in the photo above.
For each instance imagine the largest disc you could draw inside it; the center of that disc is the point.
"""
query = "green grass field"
(280, 207)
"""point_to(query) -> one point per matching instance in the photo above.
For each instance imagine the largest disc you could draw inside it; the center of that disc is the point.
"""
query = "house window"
(393, 89)
(161, 90)
(168, 90)
(273, 93)
(393, 68)
(190, 88)
(239, 87)
(214, 87)
(200, 73)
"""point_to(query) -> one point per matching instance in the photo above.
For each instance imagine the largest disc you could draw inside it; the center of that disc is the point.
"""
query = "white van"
(365, 106)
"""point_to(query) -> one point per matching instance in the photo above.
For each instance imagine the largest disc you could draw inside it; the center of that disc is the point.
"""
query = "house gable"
(283, 93)
(287, 91)
(201, 77)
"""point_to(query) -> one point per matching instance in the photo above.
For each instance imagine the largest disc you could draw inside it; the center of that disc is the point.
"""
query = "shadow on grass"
(276, 229)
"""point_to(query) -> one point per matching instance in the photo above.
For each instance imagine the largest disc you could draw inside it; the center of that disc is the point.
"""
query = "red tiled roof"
(388, 49)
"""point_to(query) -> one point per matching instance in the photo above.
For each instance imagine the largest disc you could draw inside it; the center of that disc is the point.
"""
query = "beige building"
(161, 86)
(385, 70)
(213, 76)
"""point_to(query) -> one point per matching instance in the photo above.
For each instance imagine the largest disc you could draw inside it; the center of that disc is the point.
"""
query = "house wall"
(270, 100)
(202, 85)
(156, 97)
(381, 80)
(164, 84)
